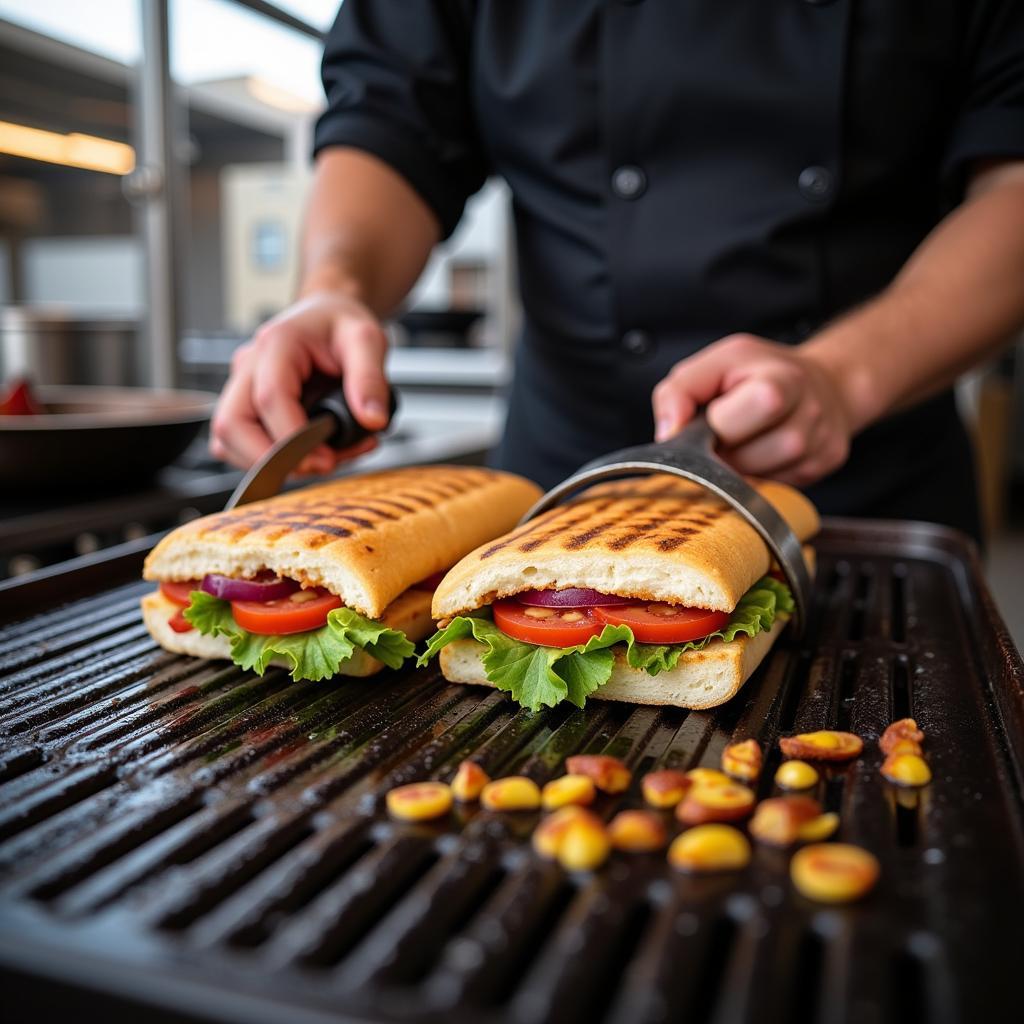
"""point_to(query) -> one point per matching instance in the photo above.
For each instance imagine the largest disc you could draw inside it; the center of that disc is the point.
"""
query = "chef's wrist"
(334, 280)
(855, 373)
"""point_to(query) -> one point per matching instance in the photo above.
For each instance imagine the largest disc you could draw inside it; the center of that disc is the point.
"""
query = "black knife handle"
(323, 394)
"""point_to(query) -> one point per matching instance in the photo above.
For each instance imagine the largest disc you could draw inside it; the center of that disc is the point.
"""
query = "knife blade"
(330, 421)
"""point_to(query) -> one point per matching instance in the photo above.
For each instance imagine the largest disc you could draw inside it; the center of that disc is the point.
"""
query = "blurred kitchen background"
(154, 155)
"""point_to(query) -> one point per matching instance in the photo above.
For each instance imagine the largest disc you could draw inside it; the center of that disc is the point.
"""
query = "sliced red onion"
(572, 597)
(265, 587)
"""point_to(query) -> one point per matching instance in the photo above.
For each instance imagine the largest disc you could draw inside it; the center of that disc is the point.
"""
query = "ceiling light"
(72, 150)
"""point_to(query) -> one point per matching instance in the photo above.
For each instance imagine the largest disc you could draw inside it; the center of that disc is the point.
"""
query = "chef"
(805, 215)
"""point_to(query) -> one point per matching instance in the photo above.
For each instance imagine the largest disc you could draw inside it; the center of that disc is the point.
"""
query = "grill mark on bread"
(394, 504)
(557, 529)
(430, 495)
(465, 484)
(671, 521)
(643, 528)
(580, 540)
(447, 486)
(670, 518)
(365, 524)
(316, 515)
(286, 524)
(637, 532)
(418, 498)
(443, 489)
(425, 500)
(331, 529)
(318, 520)
(527, 528)
(319, 541)
(681, 536)
(683, 531)
(345, 506)
(324, 521)
(467, 481)
(669, 525)
(706, 515)
(440, 492)
(325, 512)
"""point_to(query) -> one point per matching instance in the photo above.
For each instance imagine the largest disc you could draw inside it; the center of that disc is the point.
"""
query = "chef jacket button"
(815, 184)
(629, 182)
(637, 342)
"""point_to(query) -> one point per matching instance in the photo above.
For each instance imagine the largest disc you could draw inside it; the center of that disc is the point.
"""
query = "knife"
(330, 422)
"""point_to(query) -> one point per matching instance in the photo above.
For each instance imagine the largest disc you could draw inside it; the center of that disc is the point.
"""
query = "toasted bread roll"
(655, 538)
(701, 679)
(410, 613)
(365, 538)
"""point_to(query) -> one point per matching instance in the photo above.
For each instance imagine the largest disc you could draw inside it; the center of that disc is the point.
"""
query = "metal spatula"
(691, 455)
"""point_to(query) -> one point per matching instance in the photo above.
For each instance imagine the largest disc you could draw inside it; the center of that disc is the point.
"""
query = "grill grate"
(181, 834)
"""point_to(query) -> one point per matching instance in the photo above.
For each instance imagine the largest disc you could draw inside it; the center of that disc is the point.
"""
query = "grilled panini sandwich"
(649, 590)
(331, 579)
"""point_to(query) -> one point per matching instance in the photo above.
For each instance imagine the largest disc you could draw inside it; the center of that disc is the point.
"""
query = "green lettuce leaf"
(539, 677)
(535, 676)
(210, 615)
(316, 654)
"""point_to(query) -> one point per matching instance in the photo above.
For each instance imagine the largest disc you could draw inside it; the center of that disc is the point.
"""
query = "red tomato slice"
(297, 613)
(547, 627)
(179, 623)
(179, 592)
(431, 582)
(659, 623)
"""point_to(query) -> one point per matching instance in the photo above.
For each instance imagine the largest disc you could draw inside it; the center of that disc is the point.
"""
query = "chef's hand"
(260, 402)
(777, 411)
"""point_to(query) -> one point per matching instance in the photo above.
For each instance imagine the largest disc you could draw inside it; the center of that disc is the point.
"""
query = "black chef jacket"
(685, 169)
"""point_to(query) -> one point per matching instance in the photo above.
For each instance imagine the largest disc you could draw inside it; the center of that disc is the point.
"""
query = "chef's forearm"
(957, 300)
(367, 233)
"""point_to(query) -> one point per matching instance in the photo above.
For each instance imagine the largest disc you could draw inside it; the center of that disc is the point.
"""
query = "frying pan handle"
(323, 395)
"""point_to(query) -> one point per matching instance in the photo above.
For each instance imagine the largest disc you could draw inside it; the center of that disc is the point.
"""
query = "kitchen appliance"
(97, 436)
(184, 841)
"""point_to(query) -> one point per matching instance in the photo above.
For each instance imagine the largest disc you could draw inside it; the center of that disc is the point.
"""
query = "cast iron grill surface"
(181, 836)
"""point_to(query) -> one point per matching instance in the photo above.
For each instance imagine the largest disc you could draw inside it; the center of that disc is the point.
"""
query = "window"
(68, 139)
